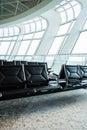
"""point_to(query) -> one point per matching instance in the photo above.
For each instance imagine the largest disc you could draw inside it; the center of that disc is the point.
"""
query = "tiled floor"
(59, 111)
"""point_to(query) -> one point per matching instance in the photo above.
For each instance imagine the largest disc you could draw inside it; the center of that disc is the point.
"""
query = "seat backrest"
(72, 72)
(62, 72)
(11, 77)
(32, 63)
(24, 62)
(6, 63)
(36, 74)
(39, 63)
(83, 70)
(1, 62)
(17, 62)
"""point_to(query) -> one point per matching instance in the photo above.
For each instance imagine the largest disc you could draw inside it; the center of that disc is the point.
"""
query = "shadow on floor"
(11, 110)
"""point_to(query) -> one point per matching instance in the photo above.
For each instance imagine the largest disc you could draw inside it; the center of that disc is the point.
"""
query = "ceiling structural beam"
(10, 11)
(8, 3)
(16, 7)
(24, 0)
(1, 10)
(38, 1)
(11, 8)
(24, 5)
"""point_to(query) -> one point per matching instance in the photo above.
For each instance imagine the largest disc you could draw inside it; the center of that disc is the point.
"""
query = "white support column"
(53, 25)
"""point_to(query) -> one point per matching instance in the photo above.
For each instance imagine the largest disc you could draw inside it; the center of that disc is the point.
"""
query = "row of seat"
(33, 79)
(25, 80)
(73, 76)
(14, 62)
(15, 76)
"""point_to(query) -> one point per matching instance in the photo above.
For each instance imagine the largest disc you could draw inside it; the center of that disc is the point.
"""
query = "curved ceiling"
(15, 11)
(10, 8)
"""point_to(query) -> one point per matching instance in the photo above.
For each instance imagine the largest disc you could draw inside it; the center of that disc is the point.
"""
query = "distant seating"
(83, 72)
(73, 76)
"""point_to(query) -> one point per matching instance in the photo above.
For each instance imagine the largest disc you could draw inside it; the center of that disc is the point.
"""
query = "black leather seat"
(83, 70)
(36, 75)
(11, 77)
(73, 76)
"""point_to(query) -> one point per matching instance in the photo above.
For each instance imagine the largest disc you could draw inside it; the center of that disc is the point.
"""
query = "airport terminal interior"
(52, 32)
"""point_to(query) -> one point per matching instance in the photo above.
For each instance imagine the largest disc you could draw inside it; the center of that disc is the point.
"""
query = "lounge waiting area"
(43, 64)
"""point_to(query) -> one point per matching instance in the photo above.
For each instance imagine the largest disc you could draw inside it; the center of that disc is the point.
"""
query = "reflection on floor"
(59, 111)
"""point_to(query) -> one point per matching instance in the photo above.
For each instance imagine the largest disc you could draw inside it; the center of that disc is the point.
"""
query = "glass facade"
(22, 41)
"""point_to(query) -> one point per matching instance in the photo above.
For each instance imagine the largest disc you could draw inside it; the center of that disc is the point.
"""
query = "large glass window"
(68, 10)
(33, 47)
(33, 33)
(81, 44)
(5, 45)
(27, 35)
(23, 47)
(80, 48)
(55, 45)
